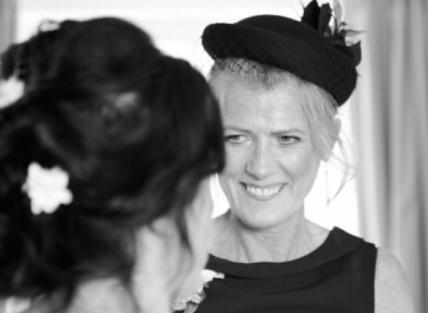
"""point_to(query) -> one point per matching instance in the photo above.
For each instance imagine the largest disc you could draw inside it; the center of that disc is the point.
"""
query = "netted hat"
(314, 48)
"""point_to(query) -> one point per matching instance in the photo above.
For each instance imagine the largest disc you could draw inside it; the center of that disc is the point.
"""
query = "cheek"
(235, 165)
(302, 168)
(198, 220)
(230, 175)
(200, 235)
(235, 161)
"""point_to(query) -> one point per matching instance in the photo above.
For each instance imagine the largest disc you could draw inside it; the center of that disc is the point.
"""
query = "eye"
(234, 138)
(288, 139)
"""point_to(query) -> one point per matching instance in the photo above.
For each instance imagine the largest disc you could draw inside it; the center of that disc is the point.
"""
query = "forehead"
(247, 104)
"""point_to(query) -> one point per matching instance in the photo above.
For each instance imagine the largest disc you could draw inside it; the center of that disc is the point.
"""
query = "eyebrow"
(236, 128)
(287, 131)
(276, 133)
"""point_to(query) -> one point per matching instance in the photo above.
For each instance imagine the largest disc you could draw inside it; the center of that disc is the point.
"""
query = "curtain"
(390, 119)
(7, 23)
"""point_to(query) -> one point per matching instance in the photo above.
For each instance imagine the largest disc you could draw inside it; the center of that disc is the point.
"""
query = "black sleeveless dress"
(336, 277)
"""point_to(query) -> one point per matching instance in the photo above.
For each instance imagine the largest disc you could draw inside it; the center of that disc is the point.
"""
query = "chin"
(266, 215)
(259, 221)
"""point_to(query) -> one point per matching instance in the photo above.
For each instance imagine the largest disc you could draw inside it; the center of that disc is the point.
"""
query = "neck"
(289, 240)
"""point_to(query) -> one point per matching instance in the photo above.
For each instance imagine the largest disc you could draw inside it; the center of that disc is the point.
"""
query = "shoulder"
(392, 292)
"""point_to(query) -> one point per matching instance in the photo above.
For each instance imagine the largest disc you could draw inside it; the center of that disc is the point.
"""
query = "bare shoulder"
(392, 293)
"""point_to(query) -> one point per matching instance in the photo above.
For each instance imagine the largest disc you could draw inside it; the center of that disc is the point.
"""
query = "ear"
(333, 138)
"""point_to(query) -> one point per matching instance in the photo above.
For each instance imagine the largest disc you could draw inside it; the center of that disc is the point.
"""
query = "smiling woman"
(280, 83)
(274, 146)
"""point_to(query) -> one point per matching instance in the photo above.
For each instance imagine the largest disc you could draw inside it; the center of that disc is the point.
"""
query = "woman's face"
(271, 162)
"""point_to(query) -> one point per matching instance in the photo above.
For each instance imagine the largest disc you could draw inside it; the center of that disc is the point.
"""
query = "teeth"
(263, 192)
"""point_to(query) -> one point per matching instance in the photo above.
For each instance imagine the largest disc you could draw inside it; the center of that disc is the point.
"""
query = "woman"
(280, 82)
(103, 167)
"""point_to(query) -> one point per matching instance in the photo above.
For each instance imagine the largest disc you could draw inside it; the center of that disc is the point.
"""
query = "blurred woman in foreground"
(103, 167)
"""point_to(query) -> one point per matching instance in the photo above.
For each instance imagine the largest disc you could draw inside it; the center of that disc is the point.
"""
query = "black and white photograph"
(229, 156)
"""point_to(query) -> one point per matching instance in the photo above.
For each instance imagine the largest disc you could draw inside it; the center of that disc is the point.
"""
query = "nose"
(261, 162)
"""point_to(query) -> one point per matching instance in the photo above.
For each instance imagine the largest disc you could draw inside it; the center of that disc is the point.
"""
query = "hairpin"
(46, 188)
(10, 91)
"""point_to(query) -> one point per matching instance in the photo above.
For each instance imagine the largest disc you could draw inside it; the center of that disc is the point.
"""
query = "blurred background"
(385, 123)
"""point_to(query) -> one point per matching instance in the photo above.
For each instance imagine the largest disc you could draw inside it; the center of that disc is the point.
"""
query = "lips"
(262, 193)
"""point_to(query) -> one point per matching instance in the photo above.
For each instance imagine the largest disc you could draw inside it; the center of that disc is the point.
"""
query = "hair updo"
(30, 60)
(136, 132)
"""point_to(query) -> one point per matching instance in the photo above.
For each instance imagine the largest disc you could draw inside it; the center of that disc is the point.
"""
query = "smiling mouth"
(262, 193)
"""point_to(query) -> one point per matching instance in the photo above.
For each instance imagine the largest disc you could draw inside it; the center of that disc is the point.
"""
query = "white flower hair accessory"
(46, 188)
(10, 90)
(190, 304)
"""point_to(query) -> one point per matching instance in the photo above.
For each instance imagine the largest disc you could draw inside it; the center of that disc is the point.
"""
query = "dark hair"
(30, 60)
(135, 130)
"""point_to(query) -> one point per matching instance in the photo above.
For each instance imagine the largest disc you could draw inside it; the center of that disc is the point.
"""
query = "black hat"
(309, 48)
